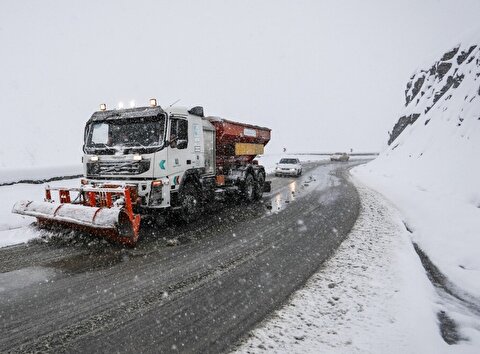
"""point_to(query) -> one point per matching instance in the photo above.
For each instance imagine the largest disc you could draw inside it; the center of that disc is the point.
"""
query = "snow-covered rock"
(437, 87)
(437, 138)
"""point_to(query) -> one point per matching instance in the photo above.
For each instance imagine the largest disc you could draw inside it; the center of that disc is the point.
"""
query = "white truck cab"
(178, 140)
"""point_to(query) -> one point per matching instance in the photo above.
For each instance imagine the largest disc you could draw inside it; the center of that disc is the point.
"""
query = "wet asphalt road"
(225, 273)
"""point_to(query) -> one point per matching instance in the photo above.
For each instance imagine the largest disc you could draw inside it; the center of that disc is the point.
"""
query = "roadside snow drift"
(363, 300)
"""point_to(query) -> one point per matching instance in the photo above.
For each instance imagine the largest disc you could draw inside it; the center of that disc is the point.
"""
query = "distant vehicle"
(288, 167)
(340, 156)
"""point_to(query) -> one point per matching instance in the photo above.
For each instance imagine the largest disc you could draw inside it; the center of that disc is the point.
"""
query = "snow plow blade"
(118, 224)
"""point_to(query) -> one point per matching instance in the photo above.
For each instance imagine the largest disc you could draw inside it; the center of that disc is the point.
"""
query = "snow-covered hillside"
(431, 172)
(437, 140)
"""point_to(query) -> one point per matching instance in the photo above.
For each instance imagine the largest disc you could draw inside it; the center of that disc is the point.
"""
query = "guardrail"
(39, 181)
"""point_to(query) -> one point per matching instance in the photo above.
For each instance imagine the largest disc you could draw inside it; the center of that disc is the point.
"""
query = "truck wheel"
(259, 185)
(190, 203)
(248, 189)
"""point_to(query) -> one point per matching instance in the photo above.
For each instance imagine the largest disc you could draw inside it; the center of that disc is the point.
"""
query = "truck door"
(179, 155)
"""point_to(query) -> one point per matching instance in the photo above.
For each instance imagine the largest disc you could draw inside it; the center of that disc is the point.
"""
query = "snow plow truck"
(153, 162)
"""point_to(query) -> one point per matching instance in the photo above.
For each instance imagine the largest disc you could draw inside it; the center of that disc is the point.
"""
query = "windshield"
(138, 132)
(288, 161)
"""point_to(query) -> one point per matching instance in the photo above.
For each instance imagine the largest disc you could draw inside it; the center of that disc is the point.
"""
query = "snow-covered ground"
(13, 227)
(372, 296)
(444, 225)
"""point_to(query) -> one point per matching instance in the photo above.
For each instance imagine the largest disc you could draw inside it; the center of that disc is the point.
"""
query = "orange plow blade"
(118, 224)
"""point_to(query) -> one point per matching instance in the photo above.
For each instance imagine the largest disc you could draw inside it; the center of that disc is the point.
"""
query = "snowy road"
(224, 274)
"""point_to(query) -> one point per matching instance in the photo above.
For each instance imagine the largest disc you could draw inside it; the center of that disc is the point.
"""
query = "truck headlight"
(156, 193)
(94, 158)
(137, 157)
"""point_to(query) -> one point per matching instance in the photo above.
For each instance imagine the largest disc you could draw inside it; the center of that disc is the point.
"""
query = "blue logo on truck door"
(162, 164)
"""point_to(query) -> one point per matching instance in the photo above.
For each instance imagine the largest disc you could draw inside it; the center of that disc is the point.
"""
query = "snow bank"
(371, 297)
(431, 170)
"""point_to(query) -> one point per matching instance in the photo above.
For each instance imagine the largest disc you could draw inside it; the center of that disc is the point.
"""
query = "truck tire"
(248, 190)
(190, 203)
(259, 185)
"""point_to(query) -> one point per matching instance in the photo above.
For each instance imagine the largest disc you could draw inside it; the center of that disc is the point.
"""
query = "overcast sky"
(324, 75)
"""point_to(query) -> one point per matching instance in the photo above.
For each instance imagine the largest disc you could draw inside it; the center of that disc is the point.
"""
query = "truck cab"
(149, 147)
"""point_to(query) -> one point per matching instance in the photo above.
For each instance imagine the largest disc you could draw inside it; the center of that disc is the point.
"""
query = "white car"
(288, 167)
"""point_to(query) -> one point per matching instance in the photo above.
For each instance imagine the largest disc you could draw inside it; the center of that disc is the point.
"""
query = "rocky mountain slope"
(438, 88)
(436, 142)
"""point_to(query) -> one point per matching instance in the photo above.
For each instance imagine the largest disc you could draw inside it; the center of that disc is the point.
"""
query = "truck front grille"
(106, 168)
